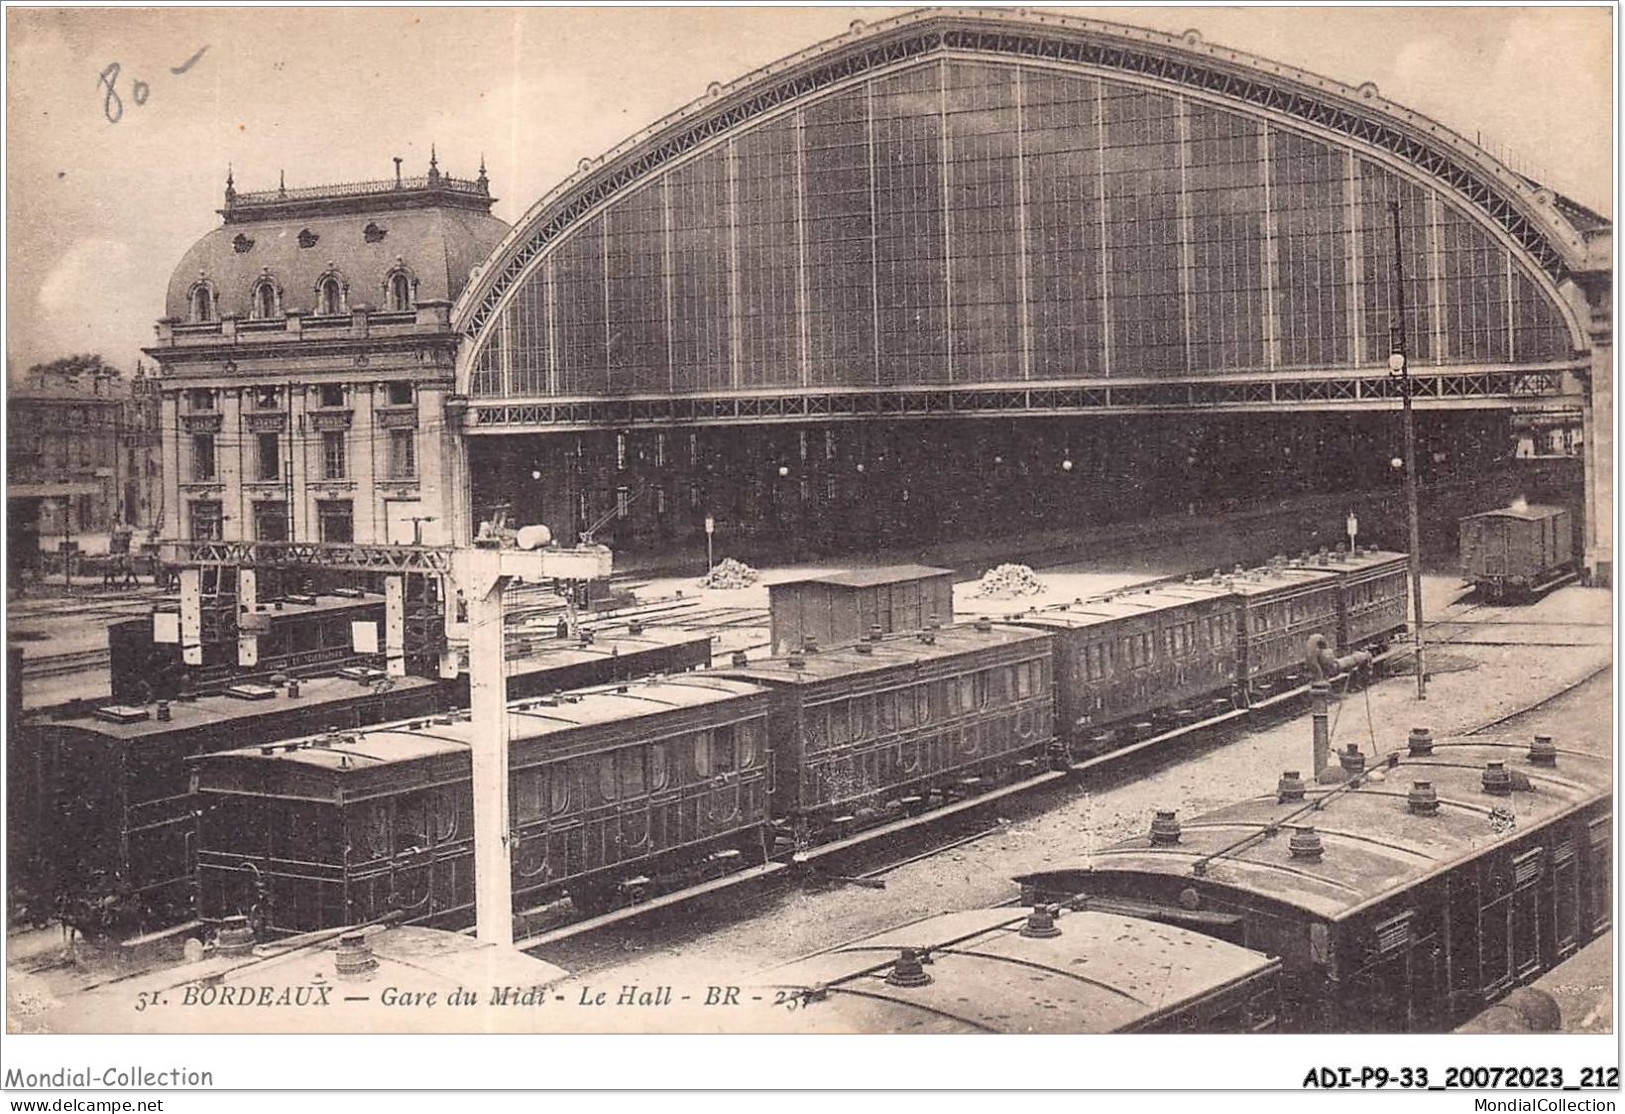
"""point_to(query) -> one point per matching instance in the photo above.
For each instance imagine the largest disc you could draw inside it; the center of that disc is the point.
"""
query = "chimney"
(1497, 780)
(354, 960)
(1423, 799)
(1165, 828)
(163, 711)
(1543, 752)
(908, 971)
(1420, 742)
(795, 660)
(809, 644)
(236, 937)
(1305, 844)
(1290, 788)
(1352, 761)
(740, 659)
(1041, 923)
(874, 633)
(293, 687)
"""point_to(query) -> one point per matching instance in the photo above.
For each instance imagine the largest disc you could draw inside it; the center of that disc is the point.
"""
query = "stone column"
(299, 436)
(229, 451)
(433, 438)
(364, 456)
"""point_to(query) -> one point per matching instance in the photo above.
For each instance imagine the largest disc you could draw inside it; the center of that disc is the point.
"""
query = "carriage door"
(634, 803)
(410, 882)
(1497, 543)
(1565, 896)
(1526, 876)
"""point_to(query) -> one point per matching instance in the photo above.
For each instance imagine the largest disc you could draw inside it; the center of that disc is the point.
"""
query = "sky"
(99, 213)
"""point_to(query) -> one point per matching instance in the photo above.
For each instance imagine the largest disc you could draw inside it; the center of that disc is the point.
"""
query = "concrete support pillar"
(192, 616)
(248, 643)
(395, 626)
(488, 684)
(1599, 467)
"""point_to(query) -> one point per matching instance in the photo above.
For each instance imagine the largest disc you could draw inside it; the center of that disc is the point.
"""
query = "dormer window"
(329, 297)
(202, 304)
(265, 300)
(400, 292)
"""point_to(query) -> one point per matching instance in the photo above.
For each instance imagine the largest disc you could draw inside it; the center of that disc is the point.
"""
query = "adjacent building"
(306, 360)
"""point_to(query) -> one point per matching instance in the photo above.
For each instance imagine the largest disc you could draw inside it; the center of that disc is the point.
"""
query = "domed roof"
(438, 247)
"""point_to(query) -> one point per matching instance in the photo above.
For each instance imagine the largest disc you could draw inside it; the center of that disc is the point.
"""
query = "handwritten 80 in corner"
(113, 101)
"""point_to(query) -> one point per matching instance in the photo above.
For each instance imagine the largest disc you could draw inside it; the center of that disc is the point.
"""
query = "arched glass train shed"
(1000, 215)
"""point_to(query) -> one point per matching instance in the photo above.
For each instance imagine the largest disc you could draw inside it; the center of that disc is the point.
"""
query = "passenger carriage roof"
(1121, 605)
(559, 655)
(290, 609)
(1374, 845)
(1266, 581)
(222, 710)
(1343, 563)
(1103, 973)
(528, 720)
(892, 651)
(1530, 513)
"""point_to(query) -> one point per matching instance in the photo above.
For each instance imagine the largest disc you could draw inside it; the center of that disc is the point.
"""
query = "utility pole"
(1399, 367)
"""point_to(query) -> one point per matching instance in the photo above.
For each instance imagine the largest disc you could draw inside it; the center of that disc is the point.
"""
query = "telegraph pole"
(1399, 368)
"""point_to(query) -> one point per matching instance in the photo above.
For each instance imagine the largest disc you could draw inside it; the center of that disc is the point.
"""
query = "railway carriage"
(1372, 595)
(1517, 550)
(108, 810)
(614, 790)
(1010, 971)
(871, 731)
(1277, 608)
(117, 773)
(1128, 662)
(1406, 899)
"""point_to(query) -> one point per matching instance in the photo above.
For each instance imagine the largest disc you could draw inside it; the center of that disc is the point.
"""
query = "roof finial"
(397, 172)
(434, 166)
(482, 181)
(282, 183)
(231, 186)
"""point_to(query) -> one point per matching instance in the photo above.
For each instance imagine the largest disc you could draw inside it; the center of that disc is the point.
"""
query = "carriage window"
(863, 718)
(702, 749)
(886, 706)
(606, 776)
(633, 783)
(411, 823)
(966, 696)
(984, 688)
(745, 733)
(722, 750)
(369, 831)
(815, 723)
(559, 789)
(1601, 868)
(529, 795)
(1024, 682)
(658, 774)
(905, 708)
(922, 702)
(840, 724)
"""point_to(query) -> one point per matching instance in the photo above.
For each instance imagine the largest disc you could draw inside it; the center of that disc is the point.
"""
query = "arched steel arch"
(1454, 188)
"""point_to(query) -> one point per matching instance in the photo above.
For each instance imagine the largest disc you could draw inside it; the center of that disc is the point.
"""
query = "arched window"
(202, 304)
(400, 293)
(264, 299)
(329, 297)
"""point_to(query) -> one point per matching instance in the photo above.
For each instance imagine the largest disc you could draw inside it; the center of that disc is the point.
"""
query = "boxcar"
(1516, 549)
(1124, 660)
(1277, 608)
(1052, 971)
(1405, 903)
(1373, 598)
(868, 731)
(109, 810)
(841, 608)
(613, 790)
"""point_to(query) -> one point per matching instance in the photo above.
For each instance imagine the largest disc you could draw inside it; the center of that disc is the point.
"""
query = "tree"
(69, 367)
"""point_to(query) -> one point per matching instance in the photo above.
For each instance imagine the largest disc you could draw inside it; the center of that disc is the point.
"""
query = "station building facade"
(307, 358)
(963, 269)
